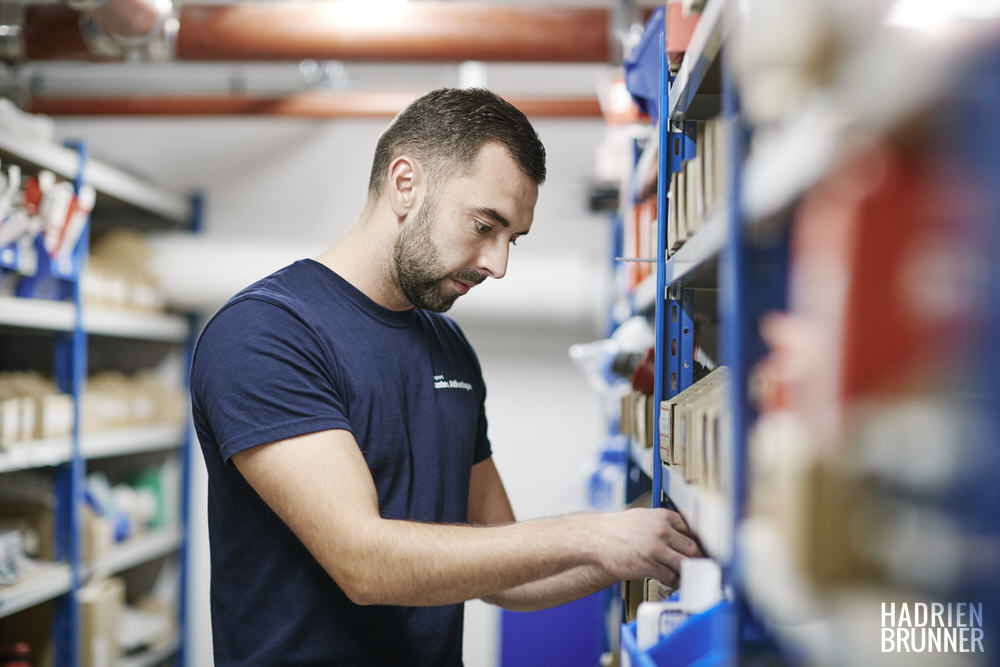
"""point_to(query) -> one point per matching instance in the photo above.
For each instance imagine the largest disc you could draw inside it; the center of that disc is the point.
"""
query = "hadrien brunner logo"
(953, 627)
(441, 383)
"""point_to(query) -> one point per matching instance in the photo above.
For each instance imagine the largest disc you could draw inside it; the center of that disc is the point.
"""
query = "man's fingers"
(685, 546)
(677, 523)
(667, 576)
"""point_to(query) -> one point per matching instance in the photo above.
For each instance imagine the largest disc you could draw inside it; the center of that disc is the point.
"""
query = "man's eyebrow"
(488, 212)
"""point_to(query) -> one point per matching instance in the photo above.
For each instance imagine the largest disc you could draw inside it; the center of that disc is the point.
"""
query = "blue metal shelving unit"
(747, 243)
(708, 638)
(53, 291)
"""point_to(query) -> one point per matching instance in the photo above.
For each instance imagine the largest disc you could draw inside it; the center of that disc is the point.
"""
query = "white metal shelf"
(36, 454)
(135, 325)
(49, 581)
(60, 316)
(106, 179)
(704, 245)
(134, 440)
(703, 48)
(135, 551)
(152, 656)
(36, 313)
(706, 512)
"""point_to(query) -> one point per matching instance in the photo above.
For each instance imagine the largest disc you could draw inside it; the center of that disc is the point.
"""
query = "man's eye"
(482, 228)
(513, 240)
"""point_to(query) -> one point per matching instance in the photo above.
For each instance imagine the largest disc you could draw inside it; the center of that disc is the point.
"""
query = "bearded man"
(353, 500)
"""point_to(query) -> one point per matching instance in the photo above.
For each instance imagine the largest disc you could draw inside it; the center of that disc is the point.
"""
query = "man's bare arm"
(489, 504)
(320, 486)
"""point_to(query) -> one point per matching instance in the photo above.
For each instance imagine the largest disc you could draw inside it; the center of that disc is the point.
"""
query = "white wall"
(545, 423)
(280, 189)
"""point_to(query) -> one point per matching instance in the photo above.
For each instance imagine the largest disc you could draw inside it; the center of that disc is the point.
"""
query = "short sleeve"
(484, 449)
(259, 375)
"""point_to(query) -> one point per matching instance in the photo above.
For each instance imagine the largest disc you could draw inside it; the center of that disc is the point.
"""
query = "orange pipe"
(355, 30)
(315, 104)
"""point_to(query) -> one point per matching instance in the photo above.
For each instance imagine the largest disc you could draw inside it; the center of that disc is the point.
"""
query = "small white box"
(655, 620)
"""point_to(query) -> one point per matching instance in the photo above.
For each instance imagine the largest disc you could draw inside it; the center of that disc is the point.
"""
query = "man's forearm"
(555, 590)
(408, 563)
(320, 486)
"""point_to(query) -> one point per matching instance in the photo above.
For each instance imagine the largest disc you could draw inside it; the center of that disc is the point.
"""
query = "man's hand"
(645, 543)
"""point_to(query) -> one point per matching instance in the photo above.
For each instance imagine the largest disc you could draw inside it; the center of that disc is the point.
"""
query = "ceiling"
(526, 50)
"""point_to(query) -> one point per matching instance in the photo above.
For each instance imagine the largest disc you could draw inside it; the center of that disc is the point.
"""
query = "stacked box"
(693, 431)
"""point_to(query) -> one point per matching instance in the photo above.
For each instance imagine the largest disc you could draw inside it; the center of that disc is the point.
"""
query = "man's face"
(462, 232)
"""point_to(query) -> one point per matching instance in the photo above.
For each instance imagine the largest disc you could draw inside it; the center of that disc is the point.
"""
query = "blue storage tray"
(642, 66)
(703, 640)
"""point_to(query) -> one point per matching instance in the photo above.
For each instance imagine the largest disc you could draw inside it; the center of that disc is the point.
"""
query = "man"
(353, 502)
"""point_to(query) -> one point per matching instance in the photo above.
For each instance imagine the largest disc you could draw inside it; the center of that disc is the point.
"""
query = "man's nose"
(493, 260)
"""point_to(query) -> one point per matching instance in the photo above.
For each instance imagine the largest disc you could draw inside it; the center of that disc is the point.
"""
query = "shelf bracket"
(681, 139)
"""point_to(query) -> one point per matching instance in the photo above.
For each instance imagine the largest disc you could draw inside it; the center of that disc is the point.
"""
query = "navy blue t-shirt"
(303, 351)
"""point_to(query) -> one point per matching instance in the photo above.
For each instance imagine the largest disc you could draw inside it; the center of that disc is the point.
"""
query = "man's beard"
(418, 264)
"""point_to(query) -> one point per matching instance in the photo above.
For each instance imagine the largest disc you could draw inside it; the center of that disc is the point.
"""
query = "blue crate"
(642, 66)
(704, 639)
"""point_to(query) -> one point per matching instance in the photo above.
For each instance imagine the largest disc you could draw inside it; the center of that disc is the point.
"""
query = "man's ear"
(405, 181)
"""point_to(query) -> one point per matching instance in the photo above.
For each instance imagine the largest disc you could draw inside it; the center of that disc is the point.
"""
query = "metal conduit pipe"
(415, 31)
(130, 28)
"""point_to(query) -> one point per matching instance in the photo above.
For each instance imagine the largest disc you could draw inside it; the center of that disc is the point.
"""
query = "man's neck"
(363, 257)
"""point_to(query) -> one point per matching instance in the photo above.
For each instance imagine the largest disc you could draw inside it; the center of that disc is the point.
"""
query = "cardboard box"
(639, 401)
(686, 441)
(41, 517)
(720, 163)
(98, 535)
(101, 604)
(656, 590)
(626, 421)
(666, 428)
(10, 421)
(695, 180)
(633, 592)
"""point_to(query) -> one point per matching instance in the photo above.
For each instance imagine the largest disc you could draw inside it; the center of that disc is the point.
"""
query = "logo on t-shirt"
(441, 383)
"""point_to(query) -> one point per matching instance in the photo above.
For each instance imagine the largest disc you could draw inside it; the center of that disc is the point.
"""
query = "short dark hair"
(446, 128)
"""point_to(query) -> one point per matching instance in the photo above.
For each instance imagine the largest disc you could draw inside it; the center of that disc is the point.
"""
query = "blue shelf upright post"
(71, 372)
(685, 359)
(665, 144)
(194, 321)
(734, 282)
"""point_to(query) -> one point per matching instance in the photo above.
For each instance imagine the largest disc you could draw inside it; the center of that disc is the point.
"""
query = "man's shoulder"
(274, 301)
